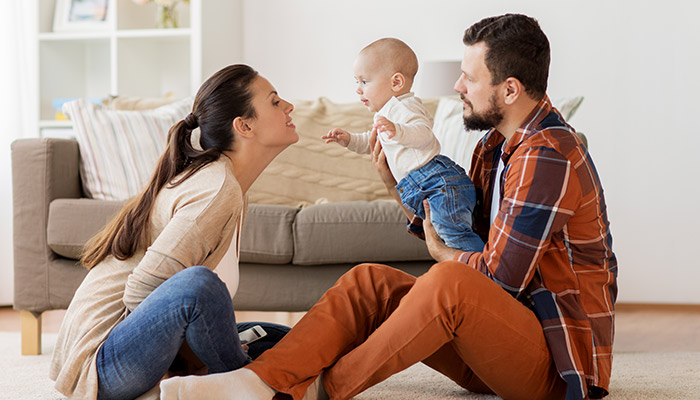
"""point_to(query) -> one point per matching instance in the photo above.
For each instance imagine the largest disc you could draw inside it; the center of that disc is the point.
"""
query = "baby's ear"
(398, 81)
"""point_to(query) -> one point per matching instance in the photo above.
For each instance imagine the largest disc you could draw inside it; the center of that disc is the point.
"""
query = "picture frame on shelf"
(82, 15)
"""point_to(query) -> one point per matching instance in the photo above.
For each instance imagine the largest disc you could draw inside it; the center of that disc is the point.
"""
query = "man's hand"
(379, 162)
(340, 136)
(383, 125)
(437, 248)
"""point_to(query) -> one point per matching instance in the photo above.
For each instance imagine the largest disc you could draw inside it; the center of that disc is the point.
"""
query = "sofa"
(315, 212)
(292, 249)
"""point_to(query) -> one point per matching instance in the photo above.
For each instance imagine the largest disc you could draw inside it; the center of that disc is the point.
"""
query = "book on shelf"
(57, 105)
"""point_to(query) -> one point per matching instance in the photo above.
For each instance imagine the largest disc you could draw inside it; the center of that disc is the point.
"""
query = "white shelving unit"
(131, 57)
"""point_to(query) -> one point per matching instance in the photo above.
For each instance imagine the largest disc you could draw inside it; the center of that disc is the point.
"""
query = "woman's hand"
(437, 248)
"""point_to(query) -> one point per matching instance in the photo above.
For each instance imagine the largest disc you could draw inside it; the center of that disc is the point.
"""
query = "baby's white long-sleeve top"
(414, 143)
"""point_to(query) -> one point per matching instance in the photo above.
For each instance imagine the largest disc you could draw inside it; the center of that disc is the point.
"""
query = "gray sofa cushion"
(267, 232)
(72, 222)
(356, 231)
(344, 232)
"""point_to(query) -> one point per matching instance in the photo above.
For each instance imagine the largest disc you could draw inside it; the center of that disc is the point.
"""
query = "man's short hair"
(515, 47)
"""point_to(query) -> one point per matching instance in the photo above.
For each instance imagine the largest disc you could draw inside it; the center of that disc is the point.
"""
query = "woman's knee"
(198, 279)
(196, 273)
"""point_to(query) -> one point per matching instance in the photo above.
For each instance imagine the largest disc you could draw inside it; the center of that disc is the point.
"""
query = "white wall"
(14, 88)
(8, 85)
(636, 63)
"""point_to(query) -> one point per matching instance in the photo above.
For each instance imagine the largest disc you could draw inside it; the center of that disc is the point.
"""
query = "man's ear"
(243, 126)
(512, 90)
(398, 81)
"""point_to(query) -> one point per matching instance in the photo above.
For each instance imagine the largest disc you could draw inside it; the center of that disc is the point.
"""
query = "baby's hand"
(340, 136)
(383, 125)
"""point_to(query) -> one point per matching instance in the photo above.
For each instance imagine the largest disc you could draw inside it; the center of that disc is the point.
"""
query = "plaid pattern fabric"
(550, 244)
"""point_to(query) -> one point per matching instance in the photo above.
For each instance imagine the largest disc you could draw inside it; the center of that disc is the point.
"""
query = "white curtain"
(17, 19)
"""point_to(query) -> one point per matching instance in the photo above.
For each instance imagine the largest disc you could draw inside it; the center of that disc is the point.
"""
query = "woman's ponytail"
(222, 98)
(123, 236)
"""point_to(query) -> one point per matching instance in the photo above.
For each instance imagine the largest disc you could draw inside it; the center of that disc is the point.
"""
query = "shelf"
(68, 36)
(154, 33)
(127, 33)
(130, 56)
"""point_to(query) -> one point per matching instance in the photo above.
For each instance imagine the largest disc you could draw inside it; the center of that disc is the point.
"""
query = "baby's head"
(384, 69)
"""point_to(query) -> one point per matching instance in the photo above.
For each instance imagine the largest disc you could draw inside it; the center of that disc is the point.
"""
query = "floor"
(639, 327)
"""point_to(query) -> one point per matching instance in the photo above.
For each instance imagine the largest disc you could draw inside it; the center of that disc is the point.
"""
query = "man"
(549, 243)
(530, 317)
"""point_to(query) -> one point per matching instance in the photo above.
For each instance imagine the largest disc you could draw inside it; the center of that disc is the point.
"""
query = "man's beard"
(483, 121)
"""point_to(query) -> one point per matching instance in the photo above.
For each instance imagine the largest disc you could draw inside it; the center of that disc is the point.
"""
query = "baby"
(384, 71)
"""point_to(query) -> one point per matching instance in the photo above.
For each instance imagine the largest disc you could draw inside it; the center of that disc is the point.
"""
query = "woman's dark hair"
(224, 96)
(515, 47)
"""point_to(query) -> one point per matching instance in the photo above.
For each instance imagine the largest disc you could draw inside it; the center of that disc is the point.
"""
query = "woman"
(142, 297)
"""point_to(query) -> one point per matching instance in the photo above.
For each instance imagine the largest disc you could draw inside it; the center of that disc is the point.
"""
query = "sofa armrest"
(42, 170)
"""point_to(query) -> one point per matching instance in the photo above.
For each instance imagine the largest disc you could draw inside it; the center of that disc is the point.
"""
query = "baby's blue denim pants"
(194, 304)
(451, 196)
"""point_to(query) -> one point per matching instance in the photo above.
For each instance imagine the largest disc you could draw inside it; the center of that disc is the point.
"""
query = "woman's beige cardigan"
(191, 224)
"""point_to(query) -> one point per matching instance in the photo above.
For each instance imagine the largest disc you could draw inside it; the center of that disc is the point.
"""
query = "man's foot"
(241, 384)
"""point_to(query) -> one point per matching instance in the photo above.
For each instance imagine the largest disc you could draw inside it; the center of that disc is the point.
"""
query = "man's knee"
(374, 278)
(366, 272)
(461, 280)
(450, 269)
(449, 273)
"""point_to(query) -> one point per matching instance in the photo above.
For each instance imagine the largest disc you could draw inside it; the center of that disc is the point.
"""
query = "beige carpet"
(636, 376)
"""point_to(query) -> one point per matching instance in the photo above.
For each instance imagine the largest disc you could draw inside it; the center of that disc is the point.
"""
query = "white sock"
(241, 384)
(316, 391)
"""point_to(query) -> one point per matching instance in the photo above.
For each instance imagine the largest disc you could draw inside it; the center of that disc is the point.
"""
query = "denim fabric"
(275, 333)
(451, 196)
(195, 305)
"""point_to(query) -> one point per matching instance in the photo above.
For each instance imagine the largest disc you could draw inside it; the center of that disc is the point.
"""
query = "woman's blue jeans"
(192, 305)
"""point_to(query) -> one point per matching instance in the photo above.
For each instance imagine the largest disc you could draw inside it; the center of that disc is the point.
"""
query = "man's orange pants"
(377, 321)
